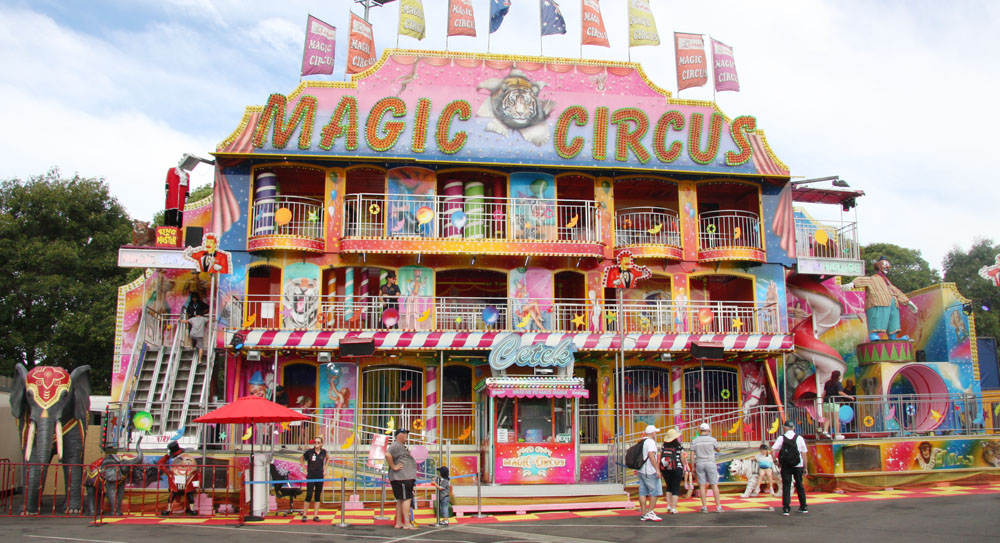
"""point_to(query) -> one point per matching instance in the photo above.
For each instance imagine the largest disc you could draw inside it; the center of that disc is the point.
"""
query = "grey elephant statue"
(51, 407)
(109, 474)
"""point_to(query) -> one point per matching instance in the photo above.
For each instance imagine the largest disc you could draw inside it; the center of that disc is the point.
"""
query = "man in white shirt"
(789, 470)
(650, 486)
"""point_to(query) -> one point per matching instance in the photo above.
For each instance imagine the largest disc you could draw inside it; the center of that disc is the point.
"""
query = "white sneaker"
(644, 517)
(653, 517)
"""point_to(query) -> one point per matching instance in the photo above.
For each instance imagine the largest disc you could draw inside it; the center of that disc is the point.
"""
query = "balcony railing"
(647, 226)
(827, 239)
(728, 228)
(288, 216)
(512, 314)
(479, 218)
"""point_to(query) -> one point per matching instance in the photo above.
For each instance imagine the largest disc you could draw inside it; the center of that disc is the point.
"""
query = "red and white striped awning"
(584, 341)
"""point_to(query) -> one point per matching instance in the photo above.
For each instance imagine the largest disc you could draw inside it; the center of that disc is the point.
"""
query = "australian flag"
(498, 10)
(552, 19)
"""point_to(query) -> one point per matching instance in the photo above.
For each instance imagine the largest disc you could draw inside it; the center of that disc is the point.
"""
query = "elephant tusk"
(31, 441)
(59, 439)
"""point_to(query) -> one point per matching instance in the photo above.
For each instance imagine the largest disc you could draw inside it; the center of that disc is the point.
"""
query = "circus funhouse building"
(525, 261)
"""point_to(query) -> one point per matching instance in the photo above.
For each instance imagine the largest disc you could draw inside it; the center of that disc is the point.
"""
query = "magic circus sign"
(488, 109)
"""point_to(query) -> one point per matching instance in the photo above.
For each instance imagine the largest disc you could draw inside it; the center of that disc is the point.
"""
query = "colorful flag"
(321, 39)
(641, 25)
(361, 51)
(725, 67)
(498, 10)
(461, 18)
(592, 32)
(552, 19)
(411, 19)
(692, 68)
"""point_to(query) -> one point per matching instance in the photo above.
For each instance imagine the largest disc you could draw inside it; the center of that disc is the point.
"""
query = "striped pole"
(676, 395)
(364, 292)
(453, 191)
(348, 294)
(431, 426)
(264, 204)
(475, 210)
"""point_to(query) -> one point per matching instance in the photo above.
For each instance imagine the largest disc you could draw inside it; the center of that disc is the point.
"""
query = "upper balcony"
(287, 222)
(729, 234)
(827, 247)
(648, 231)
(476, 225)
(458, 314)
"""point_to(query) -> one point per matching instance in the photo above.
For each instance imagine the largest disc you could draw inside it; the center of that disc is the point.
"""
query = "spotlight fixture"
(967, 308)
(237, 342)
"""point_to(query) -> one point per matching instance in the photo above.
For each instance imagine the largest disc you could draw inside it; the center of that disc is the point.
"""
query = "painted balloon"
(846, 414)
(425, 215)
(283, 216)
(458, 219)
(705, 316)
(490, 315)
(419, 454)
(390, 317)
(142, 421)
(821, 237)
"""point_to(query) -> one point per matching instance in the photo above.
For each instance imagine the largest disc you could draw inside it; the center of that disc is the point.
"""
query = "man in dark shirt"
(314, 460)
(390, 293)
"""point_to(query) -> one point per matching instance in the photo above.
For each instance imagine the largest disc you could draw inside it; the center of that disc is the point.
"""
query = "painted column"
(364, 293)
(265, 192)
(687, 200)
(348, 294)
(604, 196)
(475, 210)
(334, 202)
(453, 191)
(431, 410)
(677, 395)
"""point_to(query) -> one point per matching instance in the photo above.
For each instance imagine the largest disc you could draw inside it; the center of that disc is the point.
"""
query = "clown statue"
(258, 387)
(882, 301)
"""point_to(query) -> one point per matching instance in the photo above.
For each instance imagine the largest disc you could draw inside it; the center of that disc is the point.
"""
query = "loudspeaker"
(193, 235)
(707, 351)
(921, 355)
(357, 347)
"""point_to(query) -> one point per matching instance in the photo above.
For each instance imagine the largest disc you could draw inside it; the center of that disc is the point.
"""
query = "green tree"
(194, 196)
(909, 269)
(962, 268)
(59, 240)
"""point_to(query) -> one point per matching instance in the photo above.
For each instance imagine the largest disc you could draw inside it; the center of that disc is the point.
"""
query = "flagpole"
(447, 18)
(711, 49)
(541, 31)
(399, 22)
(305, 43)
(628, 31)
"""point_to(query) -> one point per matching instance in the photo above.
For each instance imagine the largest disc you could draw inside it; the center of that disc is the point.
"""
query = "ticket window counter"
(528, 429)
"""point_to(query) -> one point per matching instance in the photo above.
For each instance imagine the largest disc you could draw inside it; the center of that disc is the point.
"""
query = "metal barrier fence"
(52, 490)
(295, 216)
(827, 239)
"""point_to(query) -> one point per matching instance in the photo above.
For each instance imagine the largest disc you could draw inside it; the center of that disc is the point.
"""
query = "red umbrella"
(251, 410)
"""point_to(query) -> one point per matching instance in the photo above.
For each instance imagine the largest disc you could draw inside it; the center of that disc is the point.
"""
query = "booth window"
(505, 419)
(543, 420)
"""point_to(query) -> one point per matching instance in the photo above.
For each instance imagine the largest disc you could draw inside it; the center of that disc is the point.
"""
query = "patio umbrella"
(251, 410)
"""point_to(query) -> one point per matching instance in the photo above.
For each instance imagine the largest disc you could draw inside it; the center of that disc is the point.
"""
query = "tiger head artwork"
(514, 105)
(301, 303)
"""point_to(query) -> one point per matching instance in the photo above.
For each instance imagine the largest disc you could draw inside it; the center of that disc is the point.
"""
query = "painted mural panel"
(531, 291)
(338, 391)
(533, 210)
(410, 195)
(416, 299)
(300, 295)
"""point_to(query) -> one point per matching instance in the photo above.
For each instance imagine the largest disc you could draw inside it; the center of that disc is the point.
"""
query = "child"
(765, 468)
(443, 483)
(689, 475)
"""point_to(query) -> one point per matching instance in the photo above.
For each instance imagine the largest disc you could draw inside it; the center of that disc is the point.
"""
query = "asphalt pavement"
(969, 519)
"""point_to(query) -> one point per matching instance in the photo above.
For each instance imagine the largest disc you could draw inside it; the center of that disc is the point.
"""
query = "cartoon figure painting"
(410, 193)
(209, 257)
(416, 304)
(337, 385)
(514, 104)
(534, 205)
(532, 291)
(624, 274)
(300, 298)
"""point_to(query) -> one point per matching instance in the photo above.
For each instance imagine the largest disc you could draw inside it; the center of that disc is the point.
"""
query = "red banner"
(361, 51)
(461, 20)
(593, 32)
(692, 66)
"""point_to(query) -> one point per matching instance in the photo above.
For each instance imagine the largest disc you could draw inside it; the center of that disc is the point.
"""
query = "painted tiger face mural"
(514, 105)
(301, 303)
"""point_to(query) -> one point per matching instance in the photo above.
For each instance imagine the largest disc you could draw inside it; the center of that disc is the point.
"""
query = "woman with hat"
(672, 462)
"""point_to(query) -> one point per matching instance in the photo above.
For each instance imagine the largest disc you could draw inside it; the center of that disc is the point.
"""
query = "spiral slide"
(826, 312)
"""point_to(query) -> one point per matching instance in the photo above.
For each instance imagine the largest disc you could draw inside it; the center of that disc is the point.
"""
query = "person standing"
(650, 486)
(443, 484)
(672, 461)
(314, 461)
(832, 392)
(402, 476)
(198, 324)
(791, 451)
(704, 448)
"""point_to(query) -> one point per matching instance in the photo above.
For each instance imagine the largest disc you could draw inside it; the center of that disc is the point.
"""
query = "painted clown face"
(183, 465)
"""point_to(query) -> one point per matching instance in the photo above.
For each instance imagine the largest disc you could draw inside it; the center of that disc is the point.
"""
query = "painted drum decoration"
(885, 351)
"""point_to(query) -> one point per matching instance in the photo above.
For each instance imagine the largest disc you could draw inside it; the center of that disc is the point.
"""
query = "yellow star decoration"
(611, 316)
(577, 320)
(738, 323)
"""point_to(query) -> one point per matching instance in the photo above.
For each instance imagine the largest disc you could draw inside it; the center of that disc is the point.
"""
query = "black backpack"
(789, 455)
(671, 458)
(633, 456)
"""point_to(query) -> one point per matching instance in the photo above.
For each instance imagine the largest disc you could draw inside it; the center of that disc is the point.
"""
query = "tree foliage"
(962, 268)
(909, 270)
(59, 240)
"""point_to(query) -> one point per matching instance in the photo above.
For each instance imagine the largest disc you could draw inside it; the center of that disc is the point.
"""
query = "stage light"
(237, 342)
(967, 308)
(840, 183)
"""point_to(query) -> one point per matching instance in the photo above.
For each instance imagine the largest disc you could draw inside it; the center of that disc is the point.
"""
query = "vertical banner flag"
(498, 10)
(552, 19)
(317, 57)
(593, 32)
(692, 69)
(725, 67)
(641, 25)
(361, 52)
(411, 19)
(461, 18)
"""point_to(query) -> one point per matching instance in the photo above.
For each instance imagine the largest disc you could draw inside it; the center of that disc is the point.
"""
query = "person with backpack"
(643, 458)
(672, 461)
(791, 450)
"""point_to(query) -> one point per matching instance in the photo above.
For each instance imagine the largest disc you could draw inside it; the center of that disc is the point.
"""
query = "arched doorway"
(391, 393)
(709, 393)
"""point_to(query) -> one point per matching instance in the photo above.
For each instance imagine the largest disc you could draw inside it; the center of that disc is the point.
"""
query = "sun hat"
(672, 434)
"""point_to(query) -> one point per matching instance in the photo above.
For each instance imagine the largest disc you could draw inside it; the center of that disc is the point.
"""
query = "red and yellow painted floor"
(729, 502)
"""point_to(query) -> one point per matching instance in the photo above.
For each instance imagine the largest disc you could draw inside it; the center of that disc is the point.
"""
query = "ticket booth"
(527, 415)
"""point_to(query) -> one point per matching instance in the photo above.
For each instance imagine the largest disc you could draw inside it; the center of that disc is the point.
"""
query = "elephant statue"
(51, 407)
(112, 472)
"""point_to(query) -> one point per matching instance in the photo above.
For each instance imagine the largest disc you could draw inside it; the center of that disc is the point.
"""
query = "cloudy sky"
(896, 97)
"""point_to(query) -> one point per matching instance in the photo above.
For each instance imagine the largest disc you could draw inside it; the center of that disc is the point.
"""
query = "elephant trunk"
(30, 441)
